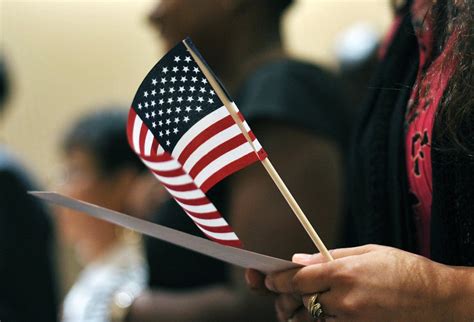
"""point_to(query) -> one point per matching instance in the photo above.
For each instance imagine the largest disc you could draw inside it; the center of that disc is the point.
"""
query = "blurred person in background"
(296, 111)
(27, 285)
(101, 169)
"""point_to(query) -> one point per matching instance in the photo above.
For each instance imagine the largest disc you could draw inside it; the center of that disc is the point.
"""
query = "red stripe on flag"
(262, 155)
(154, 148)
(207, 215)
(231, 243)
(205, 135)
(157, 158)
(171, 173)
(228, 169)
(251, 135)
(193, 202)
(181, 187)
(220, 229)
(130, 121)
(215, 153)
(143, 132)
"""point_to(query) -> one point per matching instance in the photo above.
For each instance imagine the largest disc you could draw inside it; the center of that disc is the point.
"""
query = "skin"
(147, 194)
(234, 36)
(89, 236)
(372, 283)
(233, 50)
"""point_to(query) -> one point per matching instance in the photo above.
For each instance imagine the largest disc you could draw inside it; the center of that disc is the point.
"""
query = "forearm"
(211, 304)
(462, 282)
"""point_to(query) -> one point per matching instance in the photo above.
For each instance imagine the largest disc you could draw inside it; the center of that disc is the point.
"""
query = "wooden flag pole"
(266, 162)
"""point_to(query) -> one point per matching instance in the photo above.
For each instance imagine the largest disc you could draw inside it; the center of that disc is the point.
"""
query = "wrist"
(462, 293)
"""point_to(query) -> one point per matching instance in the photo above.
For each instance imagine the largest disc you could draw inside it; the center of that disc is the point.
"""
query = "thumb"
(308, 259)
(318, 258)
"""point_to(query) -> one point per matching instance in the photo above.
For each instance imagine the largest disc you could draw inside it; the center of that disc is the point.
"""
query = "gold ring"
(314, 307)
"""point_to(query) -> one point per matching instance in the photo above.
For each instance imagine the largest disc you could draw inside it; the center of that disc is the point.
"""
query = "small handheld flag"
(187, 130)
(186, 136)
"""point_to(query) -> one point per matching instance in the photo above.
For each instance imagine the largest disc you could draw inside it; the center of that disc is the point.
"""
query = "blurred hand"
(368, 283)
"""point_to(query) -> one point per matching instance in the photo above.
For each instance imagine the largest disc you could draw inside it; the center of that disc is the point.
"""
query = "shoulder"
(16, 206)
(12, 171)
(296, 77)
(296, 93)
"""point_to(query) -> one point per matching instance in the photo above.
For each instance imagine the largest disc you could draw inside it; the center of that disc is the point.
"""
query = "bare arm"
(310, 167)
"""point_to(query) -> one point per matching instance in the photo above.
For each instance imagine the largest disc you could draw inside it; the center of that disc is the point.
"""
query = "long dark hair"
(456, 111)
(455, 115)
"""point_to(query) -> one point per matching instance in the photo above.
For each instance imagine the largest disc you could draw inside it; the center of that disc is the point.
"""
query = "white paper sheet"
(232, 255)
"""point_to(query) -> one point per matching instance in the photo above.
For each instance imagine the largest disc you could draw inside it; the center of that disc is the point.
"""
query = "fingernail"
(250, 282)
(301, 257)
(269, 283)
(247, 279)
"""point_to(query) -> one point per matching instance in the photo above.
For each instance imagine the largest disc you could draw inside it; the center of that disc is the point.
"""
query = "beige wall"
(70, 55)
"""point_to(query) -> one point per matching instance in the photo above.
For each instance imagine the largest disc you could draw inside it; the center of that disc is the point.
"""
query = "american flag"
(186, 136)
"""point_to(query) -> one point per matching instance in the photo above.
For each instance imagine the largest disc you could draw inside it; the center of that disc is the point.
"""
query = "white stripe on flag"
(179, 180)
(218, 222)
(198, 128)
(221, 236)
(148, 142)
(160, 150)
(200, 209)
(162, 166)
(221, 162)
(246, 126)
(187, 195)
(213, 142)
(257, 145)
(137, 127)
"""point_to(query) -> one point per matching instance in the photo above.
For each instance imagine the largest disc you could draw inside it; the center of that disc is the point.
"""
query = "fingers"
(311, 259)
(256, 281)
(281, 282)
(324, 300)
(301, 316)
(306, 280)
(286, 306)
(290, 308)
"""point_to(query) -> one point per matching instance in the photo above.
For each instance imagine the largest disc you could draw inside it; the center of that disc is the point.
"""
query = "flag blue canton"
(174, 96)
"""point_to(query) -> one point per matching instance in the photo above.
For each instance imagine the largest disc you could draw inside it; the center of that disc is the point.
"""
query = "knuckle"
(345, 274)
(350, 306)
(371, 247)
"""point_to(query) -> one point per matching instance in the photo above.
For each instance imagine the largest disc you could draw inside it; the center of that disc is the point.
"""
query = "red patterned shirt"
(432, 79)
